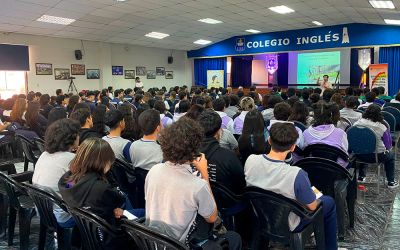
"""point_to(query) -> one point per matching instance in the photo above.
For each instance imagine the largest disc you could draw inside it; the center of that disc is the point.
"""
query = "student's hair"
(15, 96)
(58, 91)
(117, 92)
(73, 100)
(105, 101)
(60, 99)
(247, 104)
(366, 90)
(9, 104)
(370, 96)
(284, 96)
(253, 88)
(273, 100)
(160, 106)
(351, 102)
(282, 136)
(324, 114)
(381, 90)
(208, 102)
(147, 96)
(253, 131)
(264, 102)
(184, 106)
(300, 112)
(80, 106)
(219, 104)
(38, 94)
(138, 97)
(149, 120)
(160, 92)
(358, 92)
(91, 93)
(227, 101)
(31, 112)
(197, 92)
(137, 132)
(98, 118)
(195, 111)
(113, 118)
(60, 135)
(292, 100)
(212, 89)
(305, 94)
(110, 88)
(298, 93)
(181, 142)
(151, 102)
(18, 111)
(211, 122)
(327, 95)
(126, 110)
(81, 115)
(23, 96)
(224, 91)
(318, 91)
(56, 114)
(182, 95)
(376, 91)
(172, 96)
(349, 91)
(310, 90)
(44, 99)
(240, 94)
(30, 97)
(315, 98)
(92, 156)
(290, 92)
(338, 99)
(373, 113)
(397, 97)
(282, 111)
(104, 92)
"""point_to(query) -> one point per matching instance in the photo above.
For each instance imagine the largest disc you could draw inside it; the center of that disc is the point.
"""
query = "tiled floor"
(377, 224)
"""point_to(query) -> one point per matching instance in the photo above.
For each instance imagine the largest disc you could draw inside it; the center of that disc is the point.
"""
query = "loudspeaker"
(170, 60)
(78, 55)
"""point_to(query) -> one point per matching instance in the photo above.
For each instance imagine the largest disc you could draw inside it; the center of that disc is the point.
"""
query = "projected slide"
(310, 66)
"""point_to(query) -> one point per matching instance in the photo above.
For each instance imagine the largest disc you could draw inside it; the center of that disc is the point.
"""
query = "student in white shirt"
(139, 84)
(396, 99)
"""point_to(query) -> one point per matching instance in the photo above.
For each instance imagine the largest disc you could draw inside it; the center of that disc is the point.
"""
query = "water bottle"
(361, 190)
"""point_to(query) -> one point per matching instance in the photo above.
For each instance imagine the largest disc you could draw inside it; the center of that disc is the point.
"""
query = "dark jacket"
(91, 105)
(213, 96)
(39, 126)
(87, 133)
(45, 110)
(307, 102)
(224, 166)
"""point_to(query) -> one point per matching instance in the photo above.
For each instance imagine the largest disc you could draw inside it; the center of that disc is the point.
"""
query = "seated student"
(61, 138)
(61, 102)
(268, 114)
(264, 103)
(323, 131)
(146, 152)
(338, 99)
(223, 163)
(119, 96)
(219, 107)
(98, 120)
(301, 113)
(182, 96)
(165, 120)
(90, 100)
(73, 100)
(247, 104)
(114, 119)
(358, 93)
(184, 107)
(377, 94)
(174, 214)
(314, 98)
(35, 121)
(254, 138)
(18, 111)
(282, 112)
(372, 118)
(85, 120)
(138, 100)
(396, 99)
(161, 94)
(37, 96)
(348, 112)
(86, 185)
(382, 93)
(306, 96)
(45, 107)
(349, 92)
(213, 93)
(234, 105)
(53, 101)
(369, 98)
(284, 96)
(271, 173)
(56, 114)
(327, 95)
(292, 100)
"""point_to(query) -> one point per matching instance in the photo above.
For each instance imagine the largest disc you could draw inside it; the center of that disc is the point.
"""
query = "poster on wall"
(93, 74)
(117, 70)
(151, 74)
(77, 69)
(61, 74)
(215, 78)
(129, 74)
(378, 76)
(169, 74)
(44, 69)
(140, 71)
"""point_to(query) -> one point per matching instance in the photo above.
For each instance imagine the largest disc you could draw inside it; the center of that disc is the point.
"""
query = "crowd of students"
(187, 139)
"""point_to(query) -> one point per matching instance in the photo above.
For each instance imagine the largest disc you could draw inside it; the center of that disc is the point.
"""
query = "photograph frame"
(160, 71)
(61, 75)
(88, 74)
(49, 73)
(132, 74)
(151, 74)
(169, 74)
(79, 72)
(120, 72)
(141, 71)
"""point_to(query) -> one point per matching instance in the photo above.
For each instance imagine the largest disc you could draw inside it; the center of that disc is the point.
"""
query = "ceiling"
(128, 22)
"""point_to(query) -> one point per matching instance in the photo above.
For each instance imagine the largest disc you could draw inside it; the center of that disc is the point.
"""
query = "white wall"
(60, 53)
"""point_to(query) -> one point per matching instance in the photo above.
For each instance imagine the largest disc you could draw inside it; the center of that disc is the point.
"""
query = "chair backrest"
(224, 197)
(380, 105)
(362, 140)
(111, 106)
(124, 174)
(386, 124)
(39, 144)
(146, 238)
(93, 228)
(390, 104)
(362, 108)
(138, 186)
(394, 111)
(323, 173)
(13, 189)
(390, 119)
(44, 201)
(325, 151)
(346, 122)
(272, 211)
(27, 147)
(299, 125)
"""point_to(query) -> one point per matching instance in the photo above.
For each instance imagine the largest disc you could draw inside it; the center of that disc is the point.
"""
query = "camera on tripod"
(72, 85)
(71, 78)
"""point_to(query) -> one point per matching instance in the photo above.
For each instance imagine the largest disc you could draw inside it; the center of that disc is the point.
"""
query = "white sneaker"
(342, 248)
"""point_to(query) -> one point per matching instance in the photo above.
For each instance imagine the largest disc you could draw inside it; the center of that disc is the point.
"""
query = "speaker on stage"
(78, 55)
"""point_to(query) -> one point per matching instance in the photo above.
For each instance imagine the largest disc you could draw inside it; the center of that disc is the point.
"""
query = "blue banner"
(340, 36)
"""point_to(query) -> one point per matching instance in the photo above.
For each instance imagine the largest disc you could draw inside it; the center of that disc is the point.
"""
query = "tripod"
(72, 86)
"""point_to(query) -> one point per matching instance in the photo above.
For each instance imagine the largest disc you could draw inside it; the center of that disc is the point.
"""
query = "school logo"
(240, 44)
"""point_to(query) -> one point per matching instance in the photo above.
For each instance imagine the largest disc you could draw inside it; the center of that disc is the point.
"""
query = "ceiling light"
(317, 23)
(382, 4)
(202, 42)
(157, 35)
(56, 20)
(253, 31)
(209, 20)
(281, 9)
(391, 21)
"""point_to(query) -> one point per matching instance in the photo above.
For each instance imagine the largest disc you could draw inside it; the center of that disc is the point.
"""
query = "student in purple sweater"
(372, 118)
(219, 107)
(247, 104)
(324, 132)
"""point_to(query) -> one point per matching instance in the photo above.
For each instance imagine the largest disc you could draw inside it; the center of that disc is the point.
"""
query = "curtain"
(14, 57)
(391, 56)
(355, 70)
(283, 70)
(202, 65)
(241, 69)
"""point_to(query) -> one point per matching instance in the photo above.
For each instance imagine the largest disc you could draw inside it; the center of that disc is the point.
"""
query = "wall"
(97, 55)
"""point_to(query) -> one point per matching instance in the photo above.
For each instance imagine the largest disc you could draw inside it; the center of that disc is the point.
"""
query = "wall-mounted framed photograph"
(93, 74)
(62, 74)
(160, 71)
(140, 71)
(129, 74)
(117, 70)
(77, 69)
(151, 74)
(169, 74)
(44, 69)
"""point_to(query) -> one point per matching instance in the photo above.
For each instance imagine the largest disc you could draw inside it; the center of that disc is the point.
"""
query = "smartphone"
(198, 157)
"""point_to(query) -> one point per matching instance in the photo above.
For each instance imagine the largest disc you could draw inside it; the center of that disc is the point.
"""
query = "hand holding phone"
(201, 164)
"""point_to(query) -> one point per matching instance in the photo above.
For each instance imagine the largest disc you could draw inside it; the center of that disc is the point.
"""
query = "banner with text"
(378, 76)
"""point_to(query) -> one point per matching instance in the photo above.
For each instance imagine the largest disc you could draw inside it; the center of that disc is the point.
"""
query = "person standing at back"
(139, 84)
